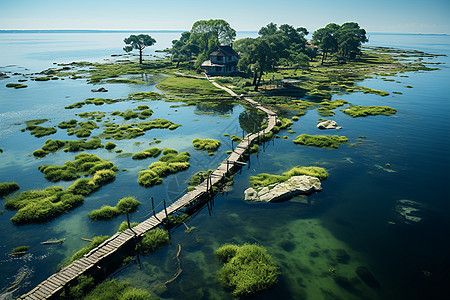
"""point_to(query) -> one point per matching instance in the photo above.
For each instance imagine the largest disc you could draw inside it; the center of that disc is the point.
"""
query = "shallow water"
(317, 246)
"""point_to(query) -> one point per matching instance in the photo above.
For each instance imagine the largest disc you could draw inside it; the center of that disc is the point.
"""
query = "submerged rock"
(102, 89)
(408, 212)
(328, 124)
(293, 186)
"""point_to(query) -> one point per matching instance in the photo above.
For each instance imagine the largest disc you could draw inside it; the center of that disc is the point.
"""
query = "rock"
(3, 76)
(409, 212)
(293, 186)
(102, 89)
(328, 124)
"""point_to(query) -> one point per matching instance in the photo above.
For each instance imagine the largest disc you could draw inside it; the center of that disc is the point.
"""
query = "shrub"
(248, 271)
(7, 188)
(127, 204)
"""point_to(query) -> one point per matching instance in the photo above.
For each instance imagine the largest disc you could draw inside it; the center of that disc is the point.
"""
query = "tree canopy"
(138, 42)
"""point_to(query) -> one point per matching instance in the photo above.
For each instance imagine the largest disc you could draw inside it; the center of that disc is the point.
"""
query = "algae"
(7, 188)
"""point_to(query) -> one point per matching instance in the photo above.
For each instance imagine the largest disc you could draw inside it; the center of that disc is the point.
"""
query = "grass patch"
(130, 131)
(124, 226)
(189, 85)
(111, 289)
(84, 164)
(198, 178)
(152, 240)
(171, 162)
(363, 111)
(152, 152)
(7, 188)
(129, 204)
(325, 112)
(321, 141)
(110, 146)
(16, 85)
(52, 146)
(209, 145)
(265, 179)
(247, 269)
(37, 206)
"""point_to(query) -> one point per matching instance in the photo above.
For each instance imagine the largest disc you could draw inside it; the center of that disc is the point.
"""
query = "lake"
(353, 223)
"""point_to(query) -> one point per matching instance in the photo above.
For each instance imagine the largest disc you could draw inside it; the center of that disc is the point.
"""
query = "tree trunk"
(255, 78)
(259, 81)
(323, 57)
(140, 56)
(178, 63)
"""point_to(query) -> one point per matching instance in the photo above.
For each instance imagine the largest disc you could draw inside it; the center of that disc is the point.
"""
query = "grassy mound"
(209, 145)
(152, 240)
(7, 188)
(130, 131)
(39, 131)
(363, 111)
(265, 179)
(129, 204)
(247, 269)
(124, 226)
(146, 96)
(42, 205)
(111, 289)
(152, 152)
(110, 146)
(79, 254)
(68, 146)
(171, 162)
(321, 141)
(84, 164)
(16, 85)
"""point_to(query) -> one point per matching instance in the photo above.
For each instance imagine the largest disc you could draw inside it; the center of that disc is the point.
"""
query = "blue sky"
(400, 16)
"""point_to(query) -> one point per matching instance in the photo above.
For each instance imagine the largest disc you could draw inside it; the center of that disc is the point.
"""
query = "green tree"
(182, 49)
(350, 38)
(139, 42)
(325, 38)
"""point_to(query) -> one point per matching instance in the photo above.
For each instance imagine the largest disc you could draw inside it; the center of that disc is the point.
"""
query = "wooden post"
(165, 209)
(128, 220)
(232, 146)
(227, 165)
(153, 207)
(207, 184)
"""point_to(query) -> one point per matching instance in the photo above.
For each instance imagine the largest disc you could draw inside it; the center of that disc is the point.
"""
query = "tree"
(138, 42)
(269, 29)
(182, 49)
(325, 39)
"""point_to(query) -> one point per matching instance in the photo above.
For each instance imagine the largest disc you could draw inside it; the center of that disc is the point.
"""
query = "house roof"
(224, 51)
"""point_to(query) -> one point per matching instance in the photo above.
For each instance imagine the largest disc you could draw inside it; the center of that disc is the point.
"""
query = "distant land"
(168, 31)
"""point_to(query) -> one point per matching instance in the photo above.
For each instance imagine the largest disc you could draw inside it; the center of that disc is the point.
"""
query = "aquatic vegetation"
(325, 112)
(85, 186)
(110, 146)
(152, 240)
(111, 289)
(84, 164)
(7, 188)
(120, 132)
(171, 162)
(68, 124)
(68, 146)
(254, 149)
(36, 206)
(247, 269)
(363, 111)
(95, 101)
(152, 152)
(124, 226)
(20, 249)
(41, 78)
(96, 241)
(295, 118)
(198, 178)
(146, 96)
(83, 286)
(130, 114)
(234, 138)
(16, 85)
(174, 220)
(265, 179)
(189, 85)
(81, 129)
(321, 141)
(209, 145)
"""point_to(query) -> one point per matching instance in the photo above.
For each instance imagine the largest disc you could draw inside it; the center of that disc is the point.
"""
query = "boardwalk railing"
(55, 284)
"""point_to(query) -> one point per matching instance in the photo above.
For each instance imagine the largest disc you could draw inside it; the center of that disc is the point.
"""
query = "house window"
(219, 58)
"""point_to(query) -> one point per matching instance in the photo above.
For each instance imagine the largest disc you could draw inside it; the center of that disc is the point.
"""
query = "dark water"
(352, 223)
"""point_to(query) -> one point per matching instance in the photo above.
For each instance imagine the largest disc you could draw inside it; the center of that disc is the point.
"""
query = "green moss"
(84, 164)
(254, 149)
(39, 131)
(175, 220)
(265, 179)
(105, 213)
(152, 240)
(153, 152)
(146, 96)
(16, 85)
(198, 178)
(42, 79)
(20, 249)
(111, 289)
(68, 124)
(295, 118)
(209, 145)
(7, 188)
(124, 226)
(68, 146)
(325, 112)
(363, 111)
(247, 269)
(83, 286)
(321, 141)
(42, 205)
(110, 146)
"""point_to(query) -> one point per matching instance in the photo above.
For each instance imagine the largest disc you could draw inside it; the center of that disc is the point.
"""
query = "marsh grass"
(124, 226)
(152, 152)
(362, 111)
(37, 206)
(209, 145)
(20, 249)
(16, 85)
(7, 188)
(96, 241)
(198, 178)
(321, 141)
(152, 240)
(110, 146)
(51, 146)
(264, 179)
(247, 269)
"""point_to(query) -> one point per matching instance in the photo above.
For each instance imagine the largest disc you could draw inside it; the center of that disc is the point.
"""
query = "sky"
(396, 16)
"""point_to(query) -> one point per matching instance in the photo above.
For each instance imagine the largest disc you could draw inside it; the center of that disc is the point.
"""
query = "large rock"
(328, 124)
(295, 185)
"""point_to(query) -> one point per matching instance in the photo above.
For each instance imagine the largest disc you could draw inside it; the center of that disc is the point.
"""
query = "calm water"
(344, 227)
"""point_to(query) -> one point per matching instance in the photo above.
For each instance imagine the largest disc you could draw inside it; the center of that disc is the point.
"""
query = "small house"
(223, 61)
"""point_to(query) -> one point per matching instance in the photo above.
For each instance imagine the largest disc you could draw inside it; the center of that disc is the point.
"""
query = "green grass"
(325, 112)
(189, 85)
(209, 145)
(198, 178)
(247, 269)
(16, 85)
(124, 226)
(84, 164)
(146, 96)
(110, 146)
(20, 249)
(96, 241)
(152, 152)
(111, 289)
(37, 206)
(171, 162)
(130, 131)
(265, 179)
(363, 111)
(7, 188)
(321, 141)
(152, 240)
(52, 146)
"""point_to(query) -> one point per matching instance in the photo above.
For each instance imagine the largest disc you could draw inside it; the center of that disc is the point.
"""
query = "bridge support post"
(165, 209)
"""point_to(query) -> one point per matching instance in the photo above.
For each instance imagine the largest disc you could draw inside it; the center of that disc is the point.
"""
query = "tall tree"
(350, 38)
(139, 42)
(325, 38)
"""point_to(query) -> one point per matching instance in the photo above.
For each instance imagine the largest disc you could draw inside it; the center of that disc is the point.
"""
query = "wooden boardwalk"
(55, 284)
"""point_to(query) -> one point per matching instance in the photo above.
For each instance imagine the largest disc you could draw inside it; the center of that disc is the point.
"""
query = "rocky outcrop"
(276, 192)
(328, 124)
(102, 89)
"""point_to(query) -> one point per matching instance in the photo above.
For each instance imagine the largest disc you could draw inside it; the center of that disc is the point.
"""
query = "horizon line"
(161, 30)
